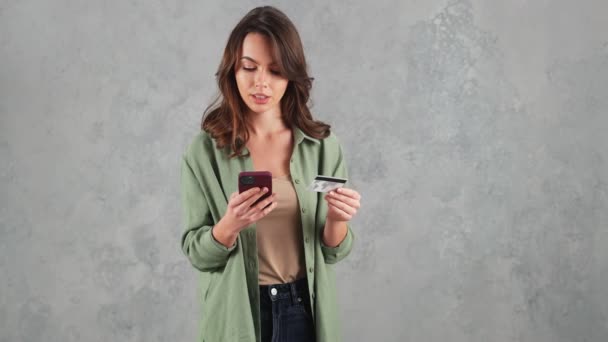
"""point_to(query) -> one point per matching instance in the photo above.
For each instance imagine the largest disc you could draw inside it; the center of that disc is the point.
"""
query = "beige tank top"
(279, 238)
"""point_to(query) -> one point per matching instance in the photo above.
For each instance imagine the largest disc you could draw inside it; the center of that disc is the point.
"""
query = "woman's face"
(257, 74)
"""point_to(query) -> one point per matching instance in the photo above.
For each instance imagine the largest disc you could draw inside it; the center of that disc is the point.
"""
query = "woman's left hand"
(343, 204)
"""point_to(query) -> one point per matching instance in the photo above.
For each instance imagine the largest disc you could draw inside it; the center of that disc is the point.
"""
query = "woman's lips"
(260, 100)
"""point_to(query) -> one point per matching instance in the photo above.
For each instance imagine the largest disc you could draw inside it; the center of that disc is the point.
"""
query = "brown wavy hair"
(224, 118)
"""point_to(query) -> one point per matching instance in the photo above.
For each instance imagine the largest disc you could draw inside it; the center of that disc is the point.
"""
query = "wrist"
(334, 232)
(333, 223)
(223, 234)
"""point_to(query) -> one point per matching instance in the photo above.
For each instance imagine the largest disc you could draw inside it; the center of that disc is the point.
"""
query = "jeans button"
(273, 291)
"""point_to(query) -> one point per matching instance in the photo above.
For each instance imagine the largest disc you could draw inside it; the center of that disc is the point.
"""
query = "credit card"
(326, 183)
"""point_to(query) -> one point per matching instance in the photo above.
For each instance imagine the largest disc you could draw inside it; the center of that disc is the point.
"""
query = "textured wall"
(485, 217)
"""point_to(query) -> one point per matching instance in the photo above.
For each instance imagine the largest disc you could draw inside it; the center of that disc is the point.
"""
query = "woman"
(266, 270)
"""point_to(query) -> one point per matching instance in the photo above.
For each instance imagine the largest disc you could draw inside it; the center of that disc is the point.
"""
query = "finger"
(249, 197)
(260, 206)
(245, 195)
(342, 206)
(348, 200)
(264, 212)
(344, 214)
(255, 197)
(349, 192)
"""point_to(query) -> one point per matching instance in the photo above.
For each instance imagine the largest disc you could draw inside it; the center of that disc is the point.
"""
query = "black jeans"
(285, 312)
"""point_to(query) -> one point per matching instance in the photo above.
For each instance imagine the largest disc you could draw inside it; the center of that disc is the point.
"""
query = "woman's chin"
(260, 109)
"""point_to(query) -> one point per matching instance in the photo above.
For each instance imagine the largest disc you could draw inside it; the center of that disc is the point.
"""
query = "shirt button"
(273, 291)
(311, 269)
(297, 181)
(292, 160)
(303, 210)
(306, 239)
(252, 264)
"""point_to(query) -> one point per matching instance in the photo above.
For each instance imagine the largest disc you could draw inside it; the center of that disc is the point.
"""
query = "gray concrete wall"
(475, 131)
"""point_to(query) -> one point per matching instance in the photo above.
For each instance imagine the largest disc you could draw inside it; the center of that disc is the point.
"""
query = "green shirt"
(229, 288)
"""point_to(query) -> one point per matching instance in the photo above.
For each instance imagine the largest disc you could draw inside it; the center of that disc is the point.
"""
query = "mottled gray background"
(475, 131)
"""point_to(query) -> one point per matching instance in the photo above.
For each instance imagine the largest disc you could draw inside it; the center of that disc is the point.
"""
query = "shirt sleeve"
(333, 255)
(198, 244)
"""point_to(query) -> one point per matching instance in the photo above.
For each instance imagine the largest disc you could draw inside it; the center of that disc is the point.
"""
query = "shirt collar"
(299, 136)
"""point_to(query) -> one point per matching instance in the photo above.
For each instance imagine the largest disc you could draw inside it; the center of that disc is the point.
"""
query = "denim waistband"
(292, 290)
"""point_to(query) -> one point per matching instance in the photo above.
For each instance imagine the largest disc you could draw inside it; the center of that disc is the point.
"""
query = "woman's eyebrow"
(254, 61)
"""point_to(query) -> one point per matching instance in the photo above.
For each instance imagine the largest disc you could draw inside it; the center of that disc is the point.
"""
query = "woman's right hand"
(240, 213)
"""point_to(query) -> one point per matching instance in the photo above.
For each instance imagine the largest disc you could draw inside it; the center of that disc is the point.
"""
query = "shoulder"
(331, 157)
(332, 139)
(331, 145)
(200, 147)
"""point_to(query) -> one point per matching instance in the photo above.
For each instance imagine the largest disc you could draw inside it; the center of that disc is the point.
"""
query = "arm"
(336, 236)
(204, 252)
(333, 254)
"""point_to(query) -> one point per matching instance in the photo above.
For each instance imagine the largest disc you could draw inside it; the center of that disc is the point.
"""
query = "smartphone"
(255, 179)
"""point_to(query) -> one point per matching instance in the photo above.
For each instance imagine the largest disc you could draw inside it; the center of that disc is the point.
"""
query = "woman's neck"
(266, 125)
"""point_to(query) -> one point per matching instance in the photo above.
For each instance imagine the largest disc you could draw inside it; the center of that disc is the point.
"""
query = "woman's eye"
(274, 72)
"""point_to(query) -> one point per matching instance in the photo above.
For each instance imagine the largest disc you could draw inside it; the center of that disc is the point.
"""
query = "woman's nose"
(260, 79)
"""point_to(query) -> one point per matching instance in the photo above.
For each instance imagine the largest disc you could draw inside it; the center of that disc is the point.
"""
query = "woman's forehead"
(257, 48)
